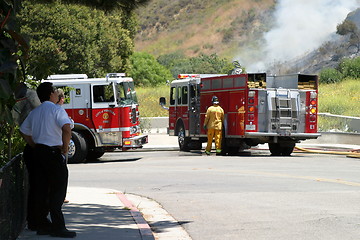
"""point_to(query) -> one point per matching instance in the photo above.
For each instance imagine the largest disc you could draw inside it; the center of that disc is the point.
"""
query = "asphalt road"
(250, 197)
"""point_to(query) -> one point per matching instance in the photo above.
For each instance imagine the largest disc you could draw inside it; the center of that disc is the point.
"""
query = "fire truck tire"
(195, 145)
(94, 154)
(277, 149)
(77, 148)
(287, 151)
(182, 140)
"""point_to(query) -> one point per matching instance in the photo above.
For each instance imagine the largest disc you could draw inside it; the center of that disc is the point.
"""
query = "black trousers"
(28, 156)
(52, 183)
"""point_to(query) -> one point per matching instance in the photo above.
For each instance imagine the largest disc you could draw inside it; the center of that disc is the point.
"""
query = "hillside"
(253, 31)
(201, 26)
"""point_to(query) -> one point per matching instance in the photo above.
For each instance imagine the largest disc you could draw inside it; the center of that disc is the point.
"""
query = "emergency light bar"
(67, 76)
(115, 75)
(182, 76)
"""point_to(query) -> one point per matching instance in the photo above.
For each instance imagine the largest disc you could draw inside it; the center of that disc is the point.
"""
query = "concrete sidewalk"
(98, 214)
(109, 214)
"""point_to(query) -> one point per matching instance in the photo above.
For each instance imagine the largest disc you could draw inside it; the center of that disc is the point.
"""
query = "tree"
(107, 48)
(106, 5)
(211, 64)
(12, 57)
(146, 71)
(74, 39)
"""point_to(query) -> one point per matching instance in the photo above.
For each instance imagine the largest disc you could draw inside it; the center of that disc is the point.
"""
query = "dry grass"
(200, 30)
(149, 101)
(340, 98)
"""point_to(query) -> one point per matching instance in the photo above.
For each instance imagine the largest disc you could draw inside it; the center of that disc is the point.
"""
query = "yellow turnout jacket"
(214, 117)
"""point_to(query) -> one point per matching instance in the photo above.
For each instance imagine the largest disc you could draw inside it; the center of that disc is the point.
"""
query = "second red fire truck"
(105, 114)
(278, 110)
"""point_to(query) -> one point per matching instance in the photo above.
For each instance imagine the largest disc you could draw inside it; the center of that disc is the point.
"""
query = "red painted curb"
(144, 228)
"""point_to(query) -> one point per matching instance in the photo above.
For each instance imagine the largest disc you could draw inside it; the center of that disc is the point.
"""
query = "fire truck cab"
(105, 114)
(278, 110)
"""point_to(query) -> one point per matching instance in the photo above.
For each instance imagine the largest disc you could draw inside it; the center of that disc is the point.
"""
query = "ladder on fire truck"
(284, 109)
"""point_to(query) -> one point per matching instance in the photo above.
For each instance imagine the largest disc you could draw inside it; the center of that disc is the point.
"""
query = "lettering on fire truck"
(105, 114)
(278, 110)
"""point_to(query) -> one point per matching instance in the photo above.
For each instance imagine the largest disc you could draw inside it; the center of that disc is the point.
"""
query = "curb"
(144, 228)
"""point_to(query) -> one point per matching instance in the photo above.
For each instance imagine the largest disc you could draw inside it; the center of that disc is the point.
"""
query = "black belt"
(49, 147)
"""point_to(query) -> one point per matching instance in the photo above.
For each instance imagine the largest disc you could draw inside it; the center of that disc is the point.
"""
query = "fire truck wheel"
(195, 145)
(275, 149)
(94, 154)
(77, 148)
(182, 140)
(287, 151)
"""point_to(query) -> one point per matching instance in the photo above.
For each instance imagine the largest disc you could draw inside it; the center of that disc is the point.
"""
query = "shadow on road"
(104, 160)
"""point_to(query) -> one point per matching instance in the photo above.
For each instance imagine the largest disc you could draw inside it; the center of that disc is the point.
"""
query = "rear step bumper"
(287, 134)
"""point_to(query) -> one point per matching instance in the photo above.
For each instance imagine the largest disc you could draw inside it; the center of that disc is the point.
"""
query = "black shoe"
(45, 228)
(63, 234)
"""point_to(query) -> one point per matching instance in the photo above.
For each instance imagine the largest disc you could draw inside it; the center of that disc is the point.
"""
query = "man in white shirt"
(47, 130)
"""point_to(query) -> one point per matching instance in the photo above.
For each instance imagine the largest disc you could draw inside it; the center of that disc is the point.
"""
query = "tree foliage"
(146, 71)
(107, 5)
(74, 39)
(348, 68)
(12, 56)
(330, 75)
(206, 64)
(78, 36)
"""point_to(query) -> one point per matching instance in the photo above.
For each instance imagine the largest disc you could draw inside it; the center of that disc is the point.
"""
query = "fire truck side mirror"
(162, 101)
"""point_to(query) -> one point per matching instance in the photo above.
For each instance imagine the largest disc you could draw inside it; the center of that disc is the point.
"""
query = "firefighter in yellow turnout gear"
(213, 122)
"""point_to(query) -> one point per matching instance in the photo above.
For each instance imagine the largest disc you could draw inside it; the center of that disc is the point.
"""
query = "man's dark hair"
(44, 91)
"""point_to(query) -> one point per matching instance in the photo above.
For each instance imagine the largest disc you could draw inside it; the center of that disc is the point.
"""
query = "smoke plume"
(300, 26)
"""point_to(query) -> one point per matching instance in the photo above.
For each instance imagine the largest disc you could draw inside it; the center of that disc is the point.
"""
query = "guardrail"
(13, 198)
(343, 123)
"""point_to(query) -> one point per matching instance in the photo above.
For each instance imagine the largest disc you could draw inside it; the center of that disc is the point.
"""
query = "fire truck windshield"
(126, 93)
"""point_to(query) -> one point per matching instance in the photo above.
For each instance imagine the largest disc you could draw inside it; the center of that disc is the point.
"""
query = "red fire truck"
(105, 114)
(278, 110)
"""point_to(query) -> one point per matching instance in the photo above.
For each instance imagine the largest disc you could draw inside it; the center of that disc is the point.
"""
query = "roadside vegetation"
(40, 38)
(148, 98)
(339, 91)
(340, 98)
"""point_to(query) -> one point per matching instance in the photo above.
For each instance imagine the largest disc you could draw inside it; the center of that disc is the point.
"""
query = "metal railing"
(13, 198)
(338, 123)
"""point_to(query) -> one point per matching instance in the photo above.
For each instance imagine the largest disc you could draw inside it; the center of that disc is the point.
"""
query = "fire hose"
(354, 153)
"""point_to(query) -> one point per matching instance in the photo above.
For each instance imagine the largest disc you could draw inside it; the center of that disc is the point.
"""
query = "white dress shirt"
(44, 124)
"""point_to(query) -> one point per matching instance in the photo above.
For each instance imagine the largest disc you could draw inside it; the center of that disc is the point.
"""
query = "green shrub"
(330, 75)
(9, 136)
(350, 68)
(212, 64)
(146, 71)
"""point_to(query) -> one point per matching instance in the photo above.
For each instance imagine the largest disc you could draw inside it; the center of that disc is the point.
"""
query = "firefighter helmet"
(215, 100)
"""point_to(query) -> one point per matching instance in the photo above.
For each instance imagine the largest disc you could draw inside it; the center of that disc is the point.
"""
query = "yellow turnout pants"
(211, 134)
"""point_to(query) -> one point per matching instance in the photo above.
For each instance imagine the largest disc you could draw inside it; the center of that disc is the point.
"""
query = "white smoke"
(300, 26)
